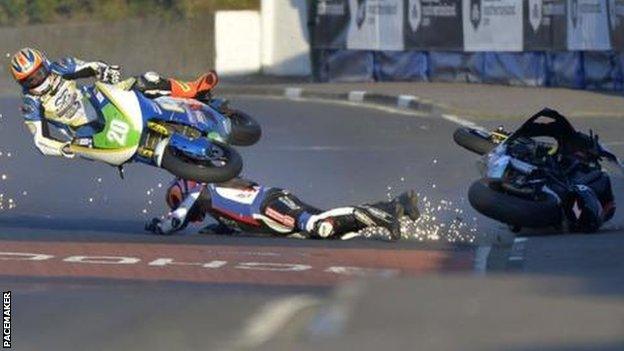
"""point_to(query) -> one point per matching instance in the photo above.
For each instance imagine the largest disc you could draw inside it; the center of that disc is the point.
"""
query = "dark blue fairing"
(196, 114)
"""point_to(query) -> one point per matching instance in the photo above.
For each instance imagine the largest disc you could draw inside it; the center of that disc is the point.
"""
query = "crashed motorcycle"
(545, 174)
(187, 137)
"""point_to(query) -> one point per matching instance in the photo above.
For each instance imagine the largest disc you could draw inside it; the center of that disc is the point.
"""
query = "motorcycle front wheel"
(513, 210)
(223, 164)
(472, 140)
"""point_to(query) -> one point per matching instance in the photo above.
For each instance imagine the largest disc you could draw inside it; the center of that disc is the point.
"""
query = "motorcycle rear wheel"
(513, 210)
(469, 139)
(245, 130)
(228, 165)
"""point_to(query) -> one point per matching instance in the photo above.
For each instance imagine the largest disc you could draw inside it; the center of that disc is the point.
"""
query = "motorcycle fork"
(158, 131)
(155, 133)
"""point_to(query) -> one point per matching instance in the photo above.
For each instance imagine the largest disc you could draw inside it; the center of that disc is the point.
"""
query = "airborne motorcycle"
(189, 138)
(545, 174)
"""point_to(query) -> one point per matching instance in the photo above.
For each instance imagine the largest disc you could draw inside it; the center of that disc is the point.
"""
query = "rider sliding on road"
(241, 205)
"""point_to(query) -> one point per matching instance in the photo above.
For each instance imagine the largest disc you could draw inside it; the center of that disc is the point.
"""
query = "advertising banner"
(375, 25)
(492, 25)
(616, 24)
(433, 24)
(545, 25)
(588, 25)
(330, 22)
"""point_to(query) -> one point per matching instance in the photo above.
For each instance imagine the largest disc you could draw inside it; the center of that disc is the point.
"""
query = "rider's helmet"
(30, 69)
(177, 191)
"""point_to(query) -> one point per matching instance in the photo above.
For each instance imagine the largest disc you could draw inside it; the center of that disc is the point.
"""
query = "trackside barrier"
(602, 70)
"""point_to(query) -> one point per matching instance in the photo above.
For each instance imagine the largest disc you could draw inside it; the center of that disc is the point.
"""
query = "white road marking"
(270, 319)
(481, 259)
(518, 250)
(382, 108)
(461, 121)
(332, 318)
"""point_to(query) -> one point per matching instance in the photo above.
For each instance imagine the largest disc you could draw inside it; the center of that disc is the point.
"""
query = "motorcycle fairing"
(119, 140)
(551, 123)
(548, 123)
(192, 113)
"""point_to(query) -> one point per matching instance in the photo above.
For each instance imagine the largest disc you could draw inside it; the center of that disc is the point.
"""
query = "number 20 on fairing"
(118, 132)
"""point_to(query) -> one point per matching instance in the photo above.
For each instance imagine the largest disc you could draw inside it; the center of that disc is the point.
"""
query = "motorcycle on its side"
(187, 137)
(545, 174)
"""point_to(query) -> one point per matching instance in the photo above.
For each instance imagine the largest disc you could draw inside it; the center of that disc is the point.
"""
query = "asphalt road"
(83, 267)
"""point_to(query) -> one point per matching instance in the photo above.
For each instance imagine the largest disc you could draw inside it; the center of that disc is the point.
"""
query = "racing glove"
(110, 74)
(166, 227)
(66, 151)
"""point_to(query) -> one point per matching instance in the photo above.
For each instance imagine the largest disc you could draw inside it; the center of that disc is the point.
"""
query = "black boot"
(353, 219)
(383, 214)
(409, 201)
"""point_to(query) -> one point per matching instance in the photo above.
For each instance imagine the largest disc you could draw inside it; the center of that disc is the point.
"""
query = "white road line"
(332, 318)
(270, 319)
(461, 121)
(481, 259)
(386, 109)
(518, 250)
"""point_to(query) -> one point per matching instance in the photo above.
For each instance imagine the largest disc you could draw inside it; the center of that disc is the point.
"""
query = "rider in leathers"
(52, 98)
(241, 205)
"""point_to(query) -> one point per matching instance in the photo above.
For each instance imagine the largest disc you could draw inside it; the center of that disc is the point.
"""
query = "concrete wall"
(285, 39)
(274, 42)
(181, 48)
(238, 42)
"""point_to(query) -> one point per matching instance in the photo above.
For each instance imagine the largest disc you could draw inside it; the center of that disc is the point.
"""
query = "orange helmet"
(29, 68)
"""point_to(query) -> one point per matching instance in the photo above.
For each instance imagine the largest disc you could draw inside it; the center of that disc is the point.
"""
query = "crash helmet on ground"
(177, 191)
(30, 68)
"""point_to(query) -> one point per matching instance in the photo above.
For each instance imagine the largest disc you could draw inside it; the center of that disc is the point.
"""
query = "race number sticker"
(118, 132)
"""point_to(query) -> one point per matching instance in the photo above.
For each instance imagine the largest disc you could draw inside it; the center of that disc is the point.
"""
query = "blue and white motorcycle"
(188, 138)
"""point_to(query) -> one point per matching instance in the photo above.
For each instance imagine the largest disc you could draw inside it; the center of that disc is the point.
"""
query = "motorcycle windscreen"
(545, 123)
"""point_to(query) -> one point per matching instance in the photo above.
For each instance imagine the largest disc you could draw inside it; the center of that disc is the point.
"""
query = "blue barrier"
(565, 69)
(599, 70)
(401, 66)
(350, 66)
(459, 67)
(525, 69)
(602, 71)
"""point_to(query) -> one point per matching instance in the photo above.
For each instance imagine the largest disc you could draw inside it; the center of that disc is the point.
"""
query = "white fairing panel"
(128, 103)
